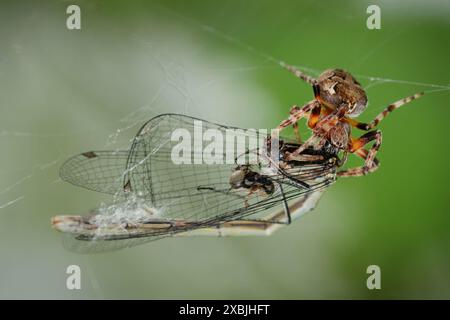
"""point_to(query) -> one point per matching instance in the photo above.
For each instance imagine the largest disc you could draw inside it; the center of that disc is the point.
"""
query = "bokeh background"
(63, 92)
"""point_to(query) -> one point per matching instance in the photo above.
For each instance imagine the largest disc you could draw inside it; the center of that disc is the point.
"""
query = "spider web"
(17, 180)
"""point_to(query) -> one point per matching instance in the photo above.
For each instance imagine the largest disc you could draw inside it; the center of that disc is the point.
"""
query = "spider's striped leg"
(384, 113)
(362, 153)
(317, 141)
(293, 110)
(299, 74)
(297, 113)
(324, 125)
(313, 119)
(297, 133)
(371, 163)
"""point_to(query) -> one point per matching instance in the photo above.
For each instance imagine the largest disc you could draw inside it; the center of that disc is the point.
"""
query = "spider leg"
(293, 110)
(297, 133)
(299, 74)
(313, 119)
(297, 113)
(317, 139)
(371, 163)
(314, 140)
(384, 113)
(362, 153)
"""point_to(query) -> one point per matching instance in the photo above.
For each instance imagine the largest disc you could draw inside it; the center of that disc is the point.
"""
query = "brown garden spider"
(338, 99)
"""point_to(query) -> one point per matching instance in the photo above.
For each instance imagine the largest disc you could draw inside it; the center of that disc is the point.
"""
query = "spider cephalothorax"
(339, 98)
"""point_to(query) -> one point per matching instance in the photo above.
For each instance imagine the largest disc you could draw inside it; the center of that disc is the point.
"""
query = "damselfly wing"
(156, 197)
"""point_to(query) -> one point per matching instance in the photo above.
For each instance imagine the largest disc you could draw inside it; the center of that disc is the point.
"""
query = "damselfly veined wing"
(190, 198)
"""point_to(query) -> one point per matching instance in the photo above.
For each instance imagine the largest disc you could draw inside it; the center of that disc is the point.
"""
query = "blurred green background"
(63, 92)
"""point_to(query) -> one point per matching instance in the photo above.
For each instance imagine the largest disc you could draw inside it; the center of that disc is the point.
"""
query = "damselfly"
(161, 189)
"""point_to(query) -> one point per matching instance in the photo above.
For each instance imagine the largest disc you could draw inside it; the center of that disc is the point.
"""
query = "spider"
(338, 99)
